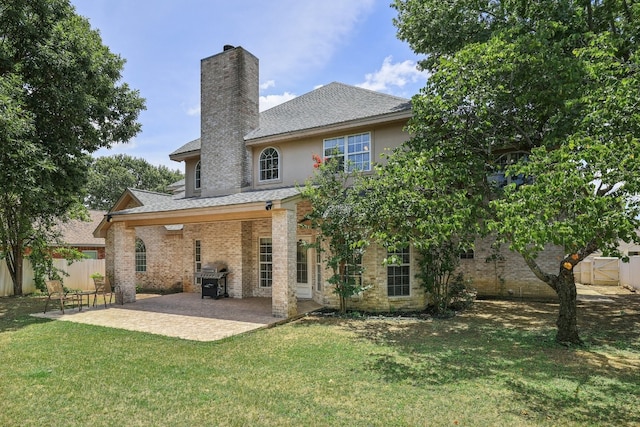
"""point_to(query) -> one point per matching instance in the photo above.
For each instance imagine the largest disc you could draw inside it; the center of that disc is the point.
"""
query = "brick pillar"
(283, 235)
(124, 257)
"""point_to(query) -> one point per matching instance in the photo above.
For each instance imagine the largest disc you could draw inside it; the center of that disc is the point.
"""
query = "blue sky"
(301, 44)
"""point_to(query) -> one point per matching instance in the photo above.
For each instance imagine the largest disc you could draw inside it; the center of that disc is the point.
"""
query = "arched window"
(269, 164)
(197, 177)
(141, 256)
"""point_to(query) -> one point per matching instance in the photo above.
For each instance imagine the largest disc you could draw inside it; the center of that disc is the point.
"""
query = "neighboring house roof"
(332, 104)
(328, 105)
(80, 233)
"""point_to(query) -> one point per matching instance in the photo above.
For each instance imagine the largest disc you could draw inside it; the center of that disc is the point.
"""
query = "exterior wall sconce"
(268, 205)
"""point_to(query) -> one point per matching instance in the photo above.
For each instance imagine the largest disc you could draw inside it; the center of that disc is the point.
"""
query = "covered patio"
(181, 235)
(184, 315)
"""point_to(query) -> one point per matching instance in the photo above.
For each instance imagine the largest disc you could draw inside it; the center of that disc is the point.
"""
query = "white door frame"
(304, 290)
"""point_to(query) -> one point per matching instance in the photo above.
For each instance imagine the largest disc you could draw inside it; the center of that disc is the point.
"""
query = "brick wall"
(221, 241)
(505, 274)
(164, 255)
(229, 111)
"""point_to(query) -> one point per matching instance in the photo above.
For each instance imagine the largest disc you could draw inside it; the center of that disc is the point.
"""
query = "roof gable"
(328, 105)
(132, 197)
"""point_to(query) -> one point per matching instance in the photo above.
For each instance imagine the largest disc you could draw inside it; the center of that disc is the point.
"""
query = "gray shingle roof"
(328, 105)
(149, 197)
(331, 104)
(186, 148)
(167, 204)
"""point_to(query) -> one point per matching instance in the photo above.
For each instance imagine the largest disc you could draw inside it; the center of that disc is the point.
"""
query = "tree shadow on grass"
(513, 344)
(15, 312)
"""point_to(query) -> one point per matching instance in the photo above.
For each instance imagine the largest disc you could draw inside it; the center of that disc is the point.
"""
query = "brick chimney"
(229, 110)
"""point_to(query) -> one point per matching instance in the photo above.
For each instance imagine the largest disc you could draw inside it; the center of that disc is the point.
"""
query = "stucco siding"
(296, 164)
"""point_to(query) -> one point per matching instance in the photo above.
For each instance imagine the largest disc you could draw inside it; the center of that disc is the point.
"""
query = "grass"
(497, 364)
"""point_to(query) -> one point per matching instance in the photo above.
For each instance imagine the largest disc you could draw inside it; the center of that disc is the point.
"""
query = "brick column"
(283, 291)
(124, 257)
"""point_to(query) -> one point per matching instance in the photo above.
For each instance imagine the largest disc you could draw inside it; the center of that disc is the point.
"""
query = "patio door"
(303, 271)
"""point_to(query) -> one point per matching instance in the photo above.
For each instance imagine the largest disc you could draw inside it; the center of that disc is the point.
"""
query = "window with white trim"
(197, 180)
(399, 273)
(266, 262)
(141, 256)
(197, 256)
(302, 264)
(318, 267)
(269, 164)
(355, 271)
(356, 149)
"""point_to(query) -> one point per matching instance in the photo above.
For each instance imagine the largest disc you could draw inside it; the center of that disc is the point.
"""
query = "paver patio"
(182, 315)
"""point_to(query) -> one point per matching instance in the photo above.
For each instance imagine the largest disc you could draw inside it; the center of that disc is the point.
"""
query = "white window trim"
(197, 258)
(260, 286)
(411, 275)
(197, 181)
(140, 257)
(346, 153)
(279, 178)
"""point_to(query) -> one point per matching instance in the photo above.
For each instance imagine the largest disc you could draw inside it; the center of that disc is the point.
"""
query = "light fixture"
(268, 205)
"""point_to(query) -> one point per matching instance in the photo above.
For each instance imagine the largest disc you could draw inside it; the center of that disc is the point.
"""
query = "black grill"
(214, 280)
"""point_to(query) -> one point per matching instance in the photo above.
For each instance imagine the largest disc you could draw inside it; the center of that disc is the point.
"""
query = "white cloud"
(269, 101)
(193, 111)
(268, 84)
(304, 35)
(390, 74)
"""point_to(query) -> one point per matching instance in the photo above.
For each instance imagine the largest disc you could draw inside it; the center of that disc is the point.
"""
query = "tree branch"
(547, 278)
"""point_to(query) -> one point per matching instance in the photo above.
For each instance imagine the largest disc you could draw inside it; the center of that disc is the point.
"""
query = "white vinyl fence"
(609, 271)
(630, 272)
(79, 275)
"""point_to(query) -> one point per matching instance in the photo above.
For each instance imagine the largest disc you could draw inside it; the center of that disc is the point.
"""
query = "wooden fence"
(79, 275)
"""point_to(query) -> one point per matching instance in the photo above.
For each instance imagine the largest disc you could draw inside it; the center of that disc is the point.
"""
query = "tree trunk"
(17, 281)
(567, 318)
(565, 286)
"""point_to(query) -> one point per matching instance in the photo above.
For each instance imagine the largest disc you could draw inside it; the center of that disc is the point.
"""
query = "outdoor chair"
(103, 287)
(56, 291)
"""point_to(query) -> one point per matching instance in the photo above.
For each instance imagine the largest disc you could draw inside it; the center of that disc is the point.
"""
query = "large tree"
(109, 176)
(558, 80)
(61, 99)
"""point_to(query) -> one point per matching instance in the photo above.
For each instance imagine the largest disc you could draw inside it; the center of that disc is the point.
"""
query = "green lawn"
(494, 365)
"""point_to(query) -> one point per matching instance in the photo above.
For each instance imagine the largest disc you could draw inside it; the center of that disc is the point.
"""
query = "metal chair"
(103, 287)
(56, 291)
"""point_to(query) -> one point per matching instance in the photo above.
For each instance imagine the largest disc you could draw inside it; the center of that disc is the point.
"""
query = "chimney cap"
(228, 47)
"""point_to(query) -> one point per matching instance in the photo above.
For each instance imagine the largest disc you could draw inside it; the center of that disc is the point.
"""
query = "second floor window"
(197, 181)
(269, 164)
(354, 151)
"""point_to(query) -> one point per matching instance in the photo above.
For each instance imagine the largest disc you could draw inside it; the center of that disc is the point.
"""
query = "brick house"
(239, 203)
(78, 235)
